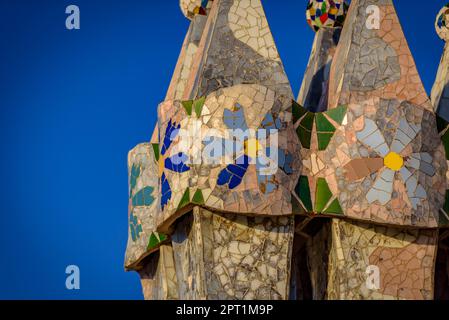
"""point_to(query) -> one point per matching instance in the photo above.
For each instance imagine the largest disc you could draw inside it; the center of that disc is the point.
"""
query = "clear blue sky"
(73, 103)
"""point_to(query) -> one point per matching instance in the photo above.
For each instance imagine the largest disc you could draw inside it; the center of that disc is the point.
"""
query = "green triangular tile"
(446, 203)
(304, 130)
(322, 196)
(304, 136)
(334, 207)
(162, 237)
(307, 121)
(323, 8)
(322, 124)
(198, 106)
(441, 124)
(324, 138)
(153, 242)
(297, 207)
(188, 106)
(185, 199)
(303, 191)
(443, 221)
(156, 150)
(337, 114)
(298, 111)
(198, 197)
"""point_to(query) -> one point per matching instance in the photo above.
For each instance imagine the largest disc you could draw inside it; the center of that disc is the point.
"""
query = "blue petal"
(234, 173)
(177, 163)
(235, 119)
(239, 171)
(170, 134)
(166, 191)
(235, 181)
(223, 177)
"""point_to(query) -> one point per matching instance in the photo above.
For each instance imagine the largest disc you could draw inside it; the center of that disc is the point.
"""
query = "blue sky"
(73, 103)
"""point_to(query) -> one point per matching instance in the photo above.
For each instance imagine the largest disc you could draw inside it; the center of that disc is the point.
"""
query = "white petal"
(373, 138)
(382, 189)
(405, 133)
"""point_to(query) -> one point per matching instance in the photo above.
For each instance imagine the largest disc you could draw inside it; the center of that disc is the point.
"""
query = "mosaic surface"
(247, 173)
(405, 259)
(237, 48)
(143, 205)
(158, 276)
(238, 257)
(326, 13)
(244, 193)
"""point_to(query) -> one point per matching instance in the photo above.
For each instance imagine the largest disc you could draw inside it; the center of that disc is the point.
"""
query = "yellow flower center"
(252, 146)
(393, 161)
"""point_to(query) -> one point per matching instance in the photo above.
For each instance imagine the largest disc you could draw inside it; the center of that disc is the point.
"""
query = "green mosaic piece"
(304, 136)
(325, 130)
(337, 114)
(188, 105)
(322, 124)
(155, 240)
(198, 106)
(298, 111)
(185, 200)
(303, 191)
(307, 121)
(297, 208)
(323, 195)
(198, 197)
(443, 221)
(156, 150)
(334, 208)
(324, 138)
(304, 130)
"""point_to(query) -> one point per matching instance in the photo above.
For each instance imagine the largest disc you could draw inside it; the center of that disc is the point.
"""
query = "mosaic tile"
(404, 259)
(303, 192)
(326, 14)
(323, 194)
(190, 8)
(158, 276)
(237, 257)
(441, 23)
(143, 206)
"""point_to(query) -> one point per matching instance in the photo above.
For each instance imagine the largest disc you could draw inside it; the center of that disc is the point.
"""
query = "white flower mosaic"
(396, 160)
